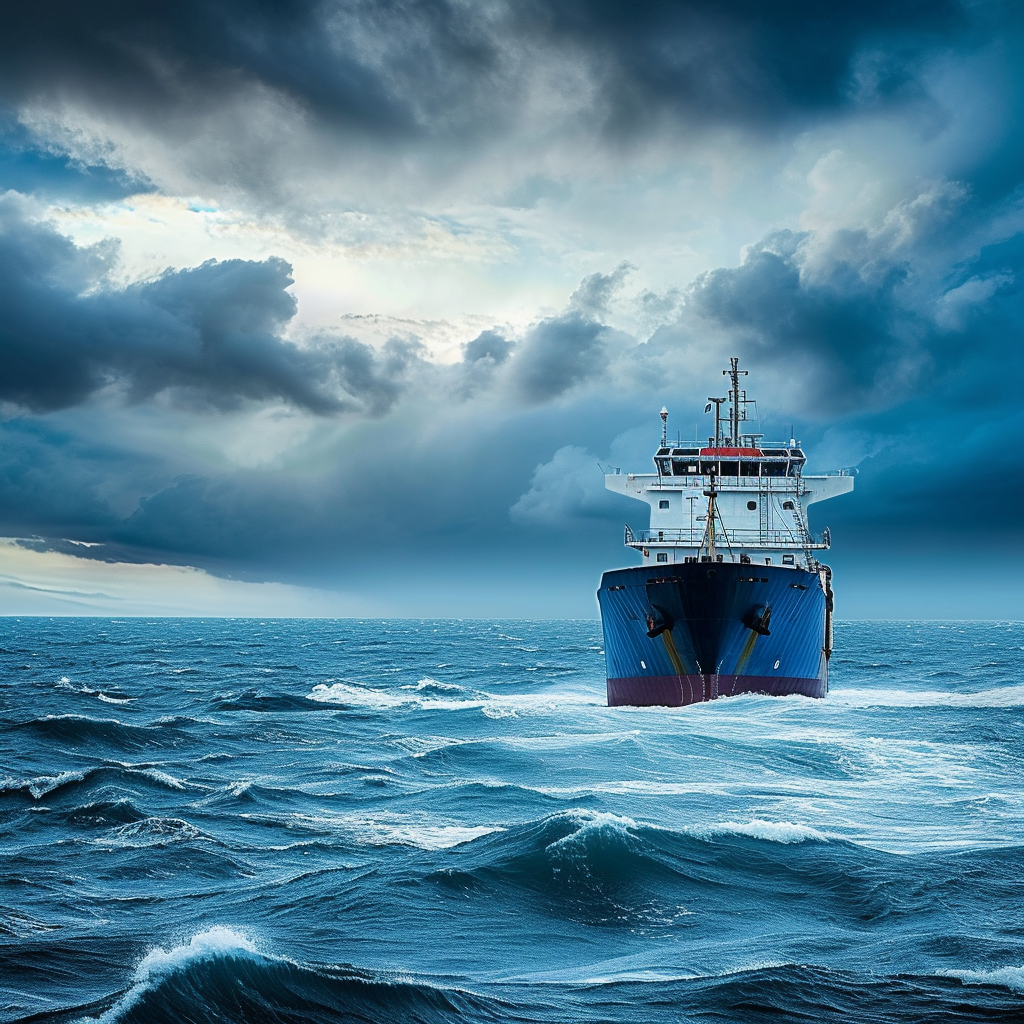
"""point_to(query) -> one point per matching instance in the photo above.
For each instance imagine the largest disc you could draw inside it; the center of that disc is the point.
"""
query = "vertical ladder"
(805, 530)
(763, 497)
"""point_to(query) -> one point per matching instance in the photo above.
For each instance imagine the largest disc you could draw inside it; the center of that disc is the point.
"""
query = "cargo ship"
(730, 596)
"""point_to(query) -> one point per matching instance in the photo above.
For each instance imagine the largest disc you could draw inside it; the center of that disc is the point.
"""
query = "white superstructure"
(735, 499)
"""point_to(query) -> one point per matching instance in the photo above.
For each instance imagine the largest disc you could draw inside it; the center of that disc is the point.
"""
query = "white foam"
(114, 700)
(385, 830)
(1005, 977)
(425, 837)
(660, 977)
(434, 684)
(420, 698)
(590, 822)
(358, 696)
(152, 832)
(637, 787)
(41, 785)
(162, 777)
(770, 831)
(157, 964)
(998, 697)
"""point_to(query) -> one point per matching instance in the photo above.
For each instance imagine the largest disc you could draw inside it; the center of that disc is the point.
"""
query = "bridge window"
(662, 556)
(664, 466)
(662, 504)
(773, 469)
(752, 505)
(708, 467)
(749, 468)
(730, 469)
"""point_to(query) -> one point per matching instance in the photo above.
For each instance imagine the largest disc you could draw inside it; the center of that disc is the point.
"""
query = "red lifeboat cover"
(730, 453)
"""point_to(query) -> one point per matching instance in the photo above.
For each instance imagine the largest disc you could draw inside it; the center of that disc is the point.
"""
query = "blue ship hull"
(680, 634)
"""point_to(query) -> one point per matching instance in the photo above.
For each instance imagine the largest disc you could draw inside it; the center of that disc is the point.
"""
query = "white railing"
(776, 540)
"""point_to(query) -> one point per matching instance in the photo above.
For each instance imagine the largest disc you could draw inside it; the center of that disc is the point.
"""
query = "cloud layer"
(190, 416)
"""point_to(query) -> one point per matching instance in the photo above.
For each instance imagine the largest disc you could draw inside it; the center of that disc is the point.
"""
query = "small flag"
(707, 408)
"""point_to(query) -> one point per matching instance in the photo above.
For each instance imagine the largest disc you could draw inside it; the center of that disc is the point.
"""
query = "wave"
(1003, 977)
(154, 831)
(69, 781)
(222, 975)
(770, 831)
(775, 991)
(394, 829)
(260, 701)
(607, 869)
(103, 814)
(81, 730)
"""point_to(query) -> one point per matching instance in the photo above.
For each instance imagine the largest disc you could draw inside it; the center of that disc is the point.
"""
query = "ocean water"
(434, 821)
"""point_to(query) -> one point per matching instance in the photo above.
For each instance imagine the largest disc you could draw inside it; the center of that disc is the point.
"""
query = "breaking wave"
(221, 975)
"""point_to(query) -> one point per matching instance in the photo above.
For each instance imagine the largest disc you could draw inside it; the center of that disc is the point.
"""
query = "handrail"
(738, 538)
(727, 483)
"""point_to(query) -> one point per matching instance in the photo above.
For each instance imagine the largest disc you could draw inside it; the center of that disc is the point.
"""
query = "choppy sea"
(438, 821)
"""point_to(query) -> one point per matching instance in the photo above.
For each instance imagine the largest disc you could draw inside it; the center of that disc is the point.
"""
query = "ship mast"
(711, 494)
(734, 373)
(718, 418)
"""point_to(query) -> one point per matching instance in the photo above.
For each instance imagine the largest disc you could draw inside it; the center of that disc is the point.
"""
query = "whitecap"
(43, 784)
(769, 831)
(158, 964)
(589, 822)
(384, 830)
(997, 697)
(421, 698)
(153, 832)
(1004, 977)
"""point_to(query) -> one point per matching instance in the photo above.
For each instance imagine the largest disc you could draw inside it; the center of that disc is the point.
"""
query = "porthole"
(776, 664)
(662, 556)
(788, 506)
(752, 505)
(662, 504)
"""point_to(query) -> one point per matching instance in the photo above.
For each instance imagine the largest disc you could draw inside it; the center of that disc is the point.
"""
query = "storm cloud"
(530, 226)
(207, 335)
(230, 92)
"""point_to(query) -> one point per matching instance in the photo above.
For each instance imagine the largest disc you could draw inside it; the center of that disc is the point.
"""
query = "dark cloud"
(444, 71)
(488, 345)
(900, 346)
(746, 62)
(204, 336)
(838, 329)
(557, 354)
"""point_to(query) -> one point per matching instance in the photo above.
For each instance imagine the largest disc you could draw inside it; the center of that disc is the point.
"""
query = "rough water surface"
(434, 821)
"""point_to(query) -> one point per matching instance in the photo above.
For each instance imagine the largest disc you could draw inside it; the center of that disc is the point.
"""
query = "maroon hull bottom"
(677, 691)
